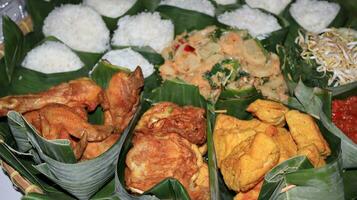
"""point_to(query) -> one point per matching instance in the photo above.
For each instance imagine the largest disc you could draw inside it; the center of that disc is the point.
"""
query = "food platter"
(173, 99)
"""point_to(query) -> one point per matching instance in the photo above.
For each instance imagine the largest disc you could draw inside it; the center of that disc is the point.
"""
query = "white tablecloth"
(7, 191)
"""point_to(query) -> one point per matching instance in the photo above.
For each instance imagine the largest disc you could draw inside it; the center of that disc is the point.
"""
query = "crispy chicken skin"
(61, 111)
(57, 117)
(305, 132)
(95, 149)
(122, 98)
(269, 112)
(246, 166)
(82, 93)
(166, 117)
(252, 194)
(155, 157)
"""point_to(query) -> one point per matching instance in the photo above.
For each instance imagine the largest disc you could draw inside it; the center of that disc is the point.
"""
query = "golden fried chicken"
(95, 149)
(305, 132)
(312, 153)
(58, 117)
(155, 157)
(166, 117)
(122, 98)
(252, 194)
(80, 93)
(269, 111)
(246, 166)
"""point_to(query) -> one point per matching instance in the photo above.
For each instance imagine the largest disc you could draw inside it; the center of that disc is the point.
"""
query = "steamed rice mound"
(258, 23)
(144, 29)
(78, 26)
(202, 6)
(52, 57)
(129, 59)
(273, 6)
(313, 15)
(110, 8)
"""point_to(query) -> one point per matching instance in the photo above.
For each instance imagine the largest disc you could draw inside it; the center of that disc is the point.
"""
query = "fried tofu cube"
(246, 166)
(286, 144)
(269, 112)
(305, 132)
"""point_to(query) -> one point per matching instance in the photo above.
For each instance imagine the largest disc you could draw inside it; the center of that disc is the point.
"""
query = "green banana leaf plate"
(47, 164)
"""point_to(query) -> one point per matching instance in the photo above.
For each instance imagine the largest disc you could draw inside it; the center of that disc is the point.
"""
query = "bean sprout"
(334, 50)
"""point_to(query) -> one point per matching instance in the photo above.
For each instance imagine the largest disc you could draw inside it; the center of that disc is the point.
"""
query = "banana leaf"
(187, 20)
(220, 9)
(168, 188)
(14, 45)
(350, 182)
(236, 102)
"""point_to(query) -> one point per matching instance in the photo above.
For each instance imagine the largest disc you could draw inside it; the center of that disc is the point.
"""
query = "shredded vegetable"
(334, 50)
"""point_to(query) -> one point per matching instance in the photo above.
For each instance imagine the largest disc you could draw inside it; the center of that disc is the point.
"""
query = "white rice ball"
(202, 6)
(225, 2)
(129, 59)
(52, 57)
(313, 15)
(110, 8)
(273, 6)
(78, 26)
(258, 23)
(144, 29)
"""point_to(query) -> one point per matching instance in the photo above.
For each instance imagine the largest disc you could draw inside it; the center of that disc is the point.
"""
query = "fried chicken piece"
(252, 194)
(305, 132)
(57, 117)
(166, 117)
(80, 93)
(155, 157)
(230, 131)
(287, 146)
(269, 111)
(95, 149)
(53, 131)
(246, 166)
(122, 98)
(312, 153)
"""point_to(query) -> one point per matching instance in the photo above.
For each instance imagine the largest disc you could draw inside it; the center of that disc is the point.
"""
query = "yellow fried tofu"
(313, 155)
(286, 144)
(225, 140)
(230, 131)
(252, 194)
(269, 111)
(305, 132)
(229, 122)
(246, 166)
